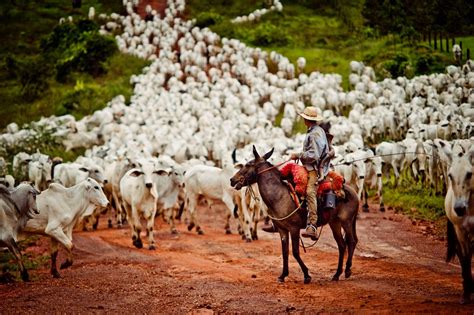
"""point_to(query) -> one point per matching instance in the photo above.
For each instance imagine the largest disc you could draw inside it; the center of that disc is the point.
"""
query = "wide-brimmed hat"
(311, 113)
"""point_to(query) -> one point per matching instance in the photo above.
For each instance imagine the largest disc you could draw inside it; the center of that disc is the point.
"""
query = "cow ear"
(268, 154)
(83, 169)
(161, 172)
(238, 166)
(255, 153)
(136, 173)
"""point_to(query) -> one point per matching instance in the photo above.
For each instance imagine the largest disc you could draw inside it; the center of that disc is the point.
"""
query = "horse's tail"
(354, 230)
(452, 242)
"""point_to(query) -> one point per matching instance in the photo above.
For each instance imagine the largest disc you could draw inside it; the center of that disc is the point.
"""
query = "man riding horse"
(313, 158)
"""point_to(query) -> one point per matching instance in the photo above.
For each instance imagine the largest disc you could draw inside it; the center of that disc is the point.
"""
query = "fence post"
(468, 54)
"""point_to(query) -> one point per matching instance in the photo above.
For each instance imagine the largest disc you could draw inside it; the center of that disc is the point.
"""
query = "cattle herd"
(196, 111)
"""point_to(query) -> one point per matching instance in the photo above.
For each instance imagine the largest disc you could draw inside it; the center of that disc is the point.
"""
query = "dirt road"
(396, 269)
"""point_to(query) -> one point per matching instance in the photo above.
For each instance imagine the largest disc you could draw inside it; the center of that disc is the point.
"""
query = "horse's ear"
(255, 153)
(268, 154)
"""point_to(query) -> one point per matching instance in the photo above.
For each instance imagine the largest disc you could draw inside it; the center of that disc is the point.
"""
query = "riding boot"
(269, 227)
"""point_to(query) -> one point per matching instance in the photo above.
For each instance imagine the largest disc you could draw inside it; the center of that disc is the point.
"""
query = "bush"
(33, 74)
(206, 19)
(397, 65)
(266, 34)
(78, 47)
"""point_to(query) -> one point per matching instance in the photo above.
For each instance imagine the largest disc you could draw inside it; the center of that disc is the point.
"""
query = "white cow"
(459, 207)
(70, 174)
(139, 198)
(373, 178)
(60, 208)
(212, 183)
(392, 154)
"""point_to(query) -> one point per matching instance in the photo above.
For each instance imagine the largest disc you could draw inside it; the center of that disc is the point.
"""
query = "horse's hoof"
(281, 280)
(335, 278)
(25, 277)
(190, 226)
(56, 274)
(151, 247)
(465, 300)
(307, 280)
(66, 264)
(348, 273)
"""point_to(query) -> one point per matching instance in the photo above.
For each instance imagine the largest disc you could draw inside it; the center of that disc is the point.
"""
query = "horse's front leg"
(285, 246)
(295, 245)
(336, 232)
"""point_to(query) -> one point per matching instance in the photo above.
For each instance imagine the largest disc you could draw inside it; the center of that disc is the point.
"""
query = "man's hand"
(294, 156)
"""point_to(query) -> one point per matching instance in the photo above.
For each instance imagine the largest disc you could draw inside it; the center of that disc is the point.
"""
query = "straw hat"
(310, 113)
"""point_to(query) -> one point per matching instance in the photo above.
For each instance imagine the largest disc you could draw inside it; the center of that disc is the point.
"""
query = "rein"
(274, 166)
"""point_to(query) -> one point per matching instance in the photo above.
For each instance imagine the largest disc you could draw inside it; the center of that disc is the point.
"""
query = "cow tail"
(452, 242)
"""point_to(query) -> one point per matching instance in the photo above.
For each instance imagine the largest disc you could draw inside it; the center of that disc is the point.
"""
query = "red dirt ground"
(396, 269)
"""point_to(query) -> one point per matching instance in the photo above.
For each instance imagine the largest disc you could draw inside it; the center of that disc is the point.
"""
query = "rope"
(274, 166)
(371, 157)
(314, 243)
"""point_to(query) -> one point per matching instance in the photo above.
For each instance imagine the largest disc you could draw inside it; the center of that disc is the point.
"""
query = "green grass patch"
(416, 201)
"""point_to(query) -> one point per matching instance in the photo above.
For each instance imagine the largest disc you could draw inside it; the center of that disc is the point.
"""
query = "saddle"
(329, 190)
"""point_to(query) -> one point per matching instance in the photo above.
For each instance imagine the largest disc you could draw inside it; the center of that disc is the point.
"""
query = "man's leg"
(312, 205)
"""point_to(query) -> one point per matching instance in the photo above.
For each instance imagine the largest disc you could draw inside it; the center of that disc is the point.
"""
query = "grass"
(24, 24)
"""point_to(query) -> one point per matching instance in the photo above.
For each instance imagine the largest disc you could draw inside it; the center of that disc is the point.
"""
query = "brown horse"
(281, 208)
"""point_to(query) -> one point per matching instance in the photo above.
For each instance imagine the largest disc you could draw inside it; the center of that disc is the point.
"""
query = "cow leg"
(149, 229)
(136, 227)
(336, 232)
(295, 246)
(66, 240)
(285, 248)
(365, 205)
(118, 210)
(192, 200)
(467, 283)
(13, 247)
(379, 192)
(54, 255)
(169, 217)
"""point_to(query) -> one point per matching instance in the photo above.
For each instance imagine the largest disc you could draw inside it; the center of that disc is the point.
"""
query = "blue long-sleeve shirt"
(315, 146)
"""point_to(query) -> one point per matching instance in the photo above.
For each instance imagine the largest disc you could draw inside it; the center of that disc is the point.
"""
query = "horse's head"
(248, 173)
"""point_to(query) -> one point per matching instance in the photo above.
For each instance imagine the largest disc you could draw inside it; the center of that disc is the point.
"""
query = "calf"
(60, 209)
(17, 206)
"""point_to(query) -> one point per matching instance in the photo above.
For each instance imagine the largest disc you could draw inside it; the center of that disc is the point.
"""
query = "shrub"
(397, 65)
(266, 34)
(206, 19)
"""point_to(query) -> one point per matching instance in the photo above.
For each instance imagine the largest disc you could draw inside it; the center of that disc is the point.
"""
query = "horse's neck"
(272, 189)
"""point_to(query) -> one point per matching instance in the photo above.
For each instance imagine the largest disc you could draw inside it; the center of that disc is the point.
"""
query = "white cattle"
(212, 183)
(459, 207)
(169, 185)
(139, 198)
(353, 168)
(373, 178)
(39, 172)
(392, 154)
(60, 208)
(17, 206)
(70, 174)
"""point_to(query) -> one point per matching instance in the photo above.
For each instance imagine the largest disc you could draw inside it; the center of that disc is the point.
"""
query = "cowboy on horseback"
(315, 150)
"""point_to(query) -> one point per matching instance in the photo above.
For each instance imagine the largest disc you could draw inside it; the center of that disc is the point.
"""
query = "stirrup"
(311, 232)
